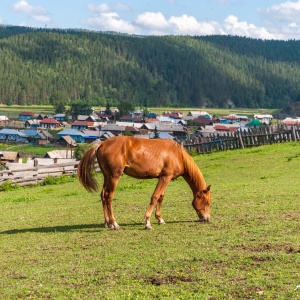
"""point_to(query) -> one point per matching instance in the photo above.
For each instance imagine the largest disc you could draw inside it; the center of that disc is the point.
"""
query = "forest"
(37, 65)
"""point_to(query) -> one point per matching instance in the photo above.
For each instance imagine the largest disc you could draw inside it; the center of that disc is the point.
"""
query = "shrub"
(8, 186)
(80, 150)
(51, 180)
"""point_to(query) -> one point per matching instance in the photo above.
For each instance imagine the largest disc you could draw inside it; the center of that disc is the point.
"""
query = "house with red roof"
(79, 125)
(26, 115)
(49, 123)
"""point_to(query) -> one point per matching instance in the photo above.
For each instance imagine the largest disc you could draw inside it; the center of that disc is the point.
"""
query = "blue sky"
(263, 19)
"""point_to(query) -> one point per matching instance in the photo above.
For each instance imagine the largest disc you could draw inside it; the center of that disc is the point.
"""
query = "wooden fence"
(239, 140)
(23, 175)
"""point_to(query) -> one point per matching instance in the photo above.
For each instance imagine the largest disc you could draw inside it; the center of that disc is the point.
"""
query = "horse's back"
(141, 158)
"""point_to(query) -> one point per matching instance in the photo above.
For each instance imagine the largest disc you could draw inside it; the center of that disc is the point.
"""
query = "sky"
(262, 19)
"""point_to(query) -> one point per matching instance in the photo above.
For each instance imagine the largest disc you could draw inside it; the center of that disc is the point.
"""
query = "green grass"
(12, 112)
(53, 244)
(27, 148)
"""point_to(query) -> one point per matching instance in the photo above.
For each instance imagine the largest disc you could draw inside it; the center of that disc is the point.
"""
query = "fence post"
(241, 139)
(293, 133)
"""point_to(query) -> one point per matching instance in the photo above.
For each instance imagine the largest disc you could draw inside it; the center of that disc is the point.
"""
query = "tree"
(80, 108)
(125, 108)
(156, 133)
(58, 101)
(60, 108)
(107, 109)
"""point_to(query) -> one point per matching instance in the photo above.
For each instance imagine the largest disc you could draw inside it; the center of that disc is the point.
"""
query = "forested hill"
(215, 71)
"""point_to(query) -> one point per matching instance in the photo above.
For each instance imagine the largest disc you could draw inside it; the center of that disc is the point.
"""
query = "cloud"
(122, 7)
(152, 21)
(101, 8)
(155, 23)
(110, 21)
(37, 13)
(287, 11)
(233, 26)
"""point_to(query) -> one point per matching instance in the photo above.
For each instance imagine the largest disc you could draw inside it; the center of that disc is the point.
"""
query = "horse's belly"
(141, 173)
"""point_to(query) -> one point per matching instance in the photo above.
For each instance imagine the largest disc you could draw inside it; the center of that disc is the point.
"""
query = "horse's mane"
(192, 170)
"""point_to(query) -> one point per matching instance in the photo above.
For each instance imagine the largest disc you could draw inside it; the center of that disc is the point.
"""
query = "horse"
(143, 158)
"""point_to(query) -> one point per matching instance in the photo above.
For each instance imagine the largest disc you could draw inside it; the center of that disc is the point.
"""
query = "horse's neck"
(195, 180)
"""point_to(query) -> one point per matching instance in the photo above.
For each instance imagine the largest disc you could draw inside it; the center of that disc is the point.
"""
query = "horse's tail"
(86, 167)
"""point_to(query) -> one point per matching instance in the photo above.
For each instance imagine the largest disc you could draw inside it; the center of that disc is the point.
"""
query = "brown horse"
(143, 158)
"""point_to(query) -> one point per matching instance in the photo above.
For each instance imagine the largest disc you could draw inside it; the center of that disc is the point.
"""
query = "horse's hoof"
(114, 227)
(161, 223)
(148, 227)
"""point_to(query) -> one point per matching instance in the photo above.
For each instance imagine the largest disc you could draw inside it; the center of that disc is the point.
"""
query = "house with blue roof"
(60, 117)
(12, 135)
(75, 134)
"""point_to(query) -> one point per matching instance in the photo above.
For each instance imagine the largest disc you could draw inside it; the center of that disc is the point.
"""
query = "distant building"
(49, 123)
(12, 135)
(26, 115)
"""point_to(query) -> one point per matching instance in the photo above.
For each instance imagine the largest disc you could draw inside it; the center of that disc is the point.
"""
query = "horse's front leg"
(157, 197)
(158, 211)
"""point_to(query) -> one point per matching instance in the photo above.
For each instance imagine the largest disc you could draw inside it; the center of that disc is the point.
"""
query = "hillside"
(215, 71)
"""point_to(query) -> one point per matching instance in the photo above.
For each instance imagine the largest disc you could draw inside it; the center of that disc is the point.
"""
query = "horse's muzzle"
(204, 219)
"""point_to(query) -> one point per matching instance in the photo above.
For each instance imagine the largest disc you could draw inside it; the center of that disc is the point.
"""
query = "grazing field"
(53, 244)
(12, 112)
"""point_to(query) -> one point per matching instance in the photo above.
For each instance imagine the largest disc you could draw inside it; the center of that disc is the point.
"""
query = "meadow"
(53, 244)
(12, 112)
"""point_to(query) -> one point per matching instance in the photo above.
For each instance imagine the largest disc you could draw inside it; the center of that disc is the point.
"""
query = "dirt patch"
(170, 279)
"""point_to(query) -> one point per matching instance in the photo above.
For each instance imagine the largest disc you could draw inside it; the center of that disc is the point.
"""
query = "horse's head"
(201, 204)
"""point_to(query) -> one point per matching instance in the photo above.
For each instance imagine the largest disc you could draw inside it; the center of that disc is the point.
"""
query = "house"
(151, 115)
(139, 113)
(49, 123)
(173, 114)
(130, 119)
(59, 154)
(254, 123)
(79, 125)
(176, 130)
(26, 115)
(225, 128)
(40, 137)
(162, 135)
(12, 135)
(32, 123)
(4, 120)
(91, 135)
(132, 130)
(196, 114)
(266, 118)
(289, 122)
(114, 128)
(60, 117)
(202, 120)
(66, 141)
(9, 156)
(43, 116)
(76, 135)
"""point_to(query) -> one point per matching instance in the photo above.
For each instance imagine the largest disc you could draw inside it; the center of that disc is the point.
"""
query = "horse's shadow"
(80, 227)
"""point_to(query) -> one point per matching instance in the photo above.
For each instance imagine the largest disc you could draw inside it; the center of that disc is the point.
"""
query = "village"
(31, 128)
(196, 130)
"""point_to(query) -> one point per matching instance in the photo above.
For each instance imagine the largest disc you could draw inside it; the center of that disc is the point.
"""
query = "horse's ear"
(207, 189)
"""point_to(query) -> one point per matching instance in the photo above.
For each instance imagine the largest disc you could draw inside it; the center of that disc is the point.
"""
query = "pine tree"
(156, 133)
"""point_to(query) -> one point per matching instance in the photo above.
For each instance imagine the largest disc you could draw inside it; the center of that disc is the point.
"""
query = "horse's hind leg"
(157, 197)
(108, 194)
(104, 204)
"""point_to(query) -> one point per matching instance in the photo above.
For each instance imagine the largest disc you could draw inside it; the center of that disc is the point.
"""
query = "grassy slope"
(53, 245)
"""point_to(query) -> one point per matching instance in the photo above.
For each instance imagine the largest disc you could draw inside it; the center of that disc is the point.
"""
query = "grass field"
(53, 244)
(12, 112)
